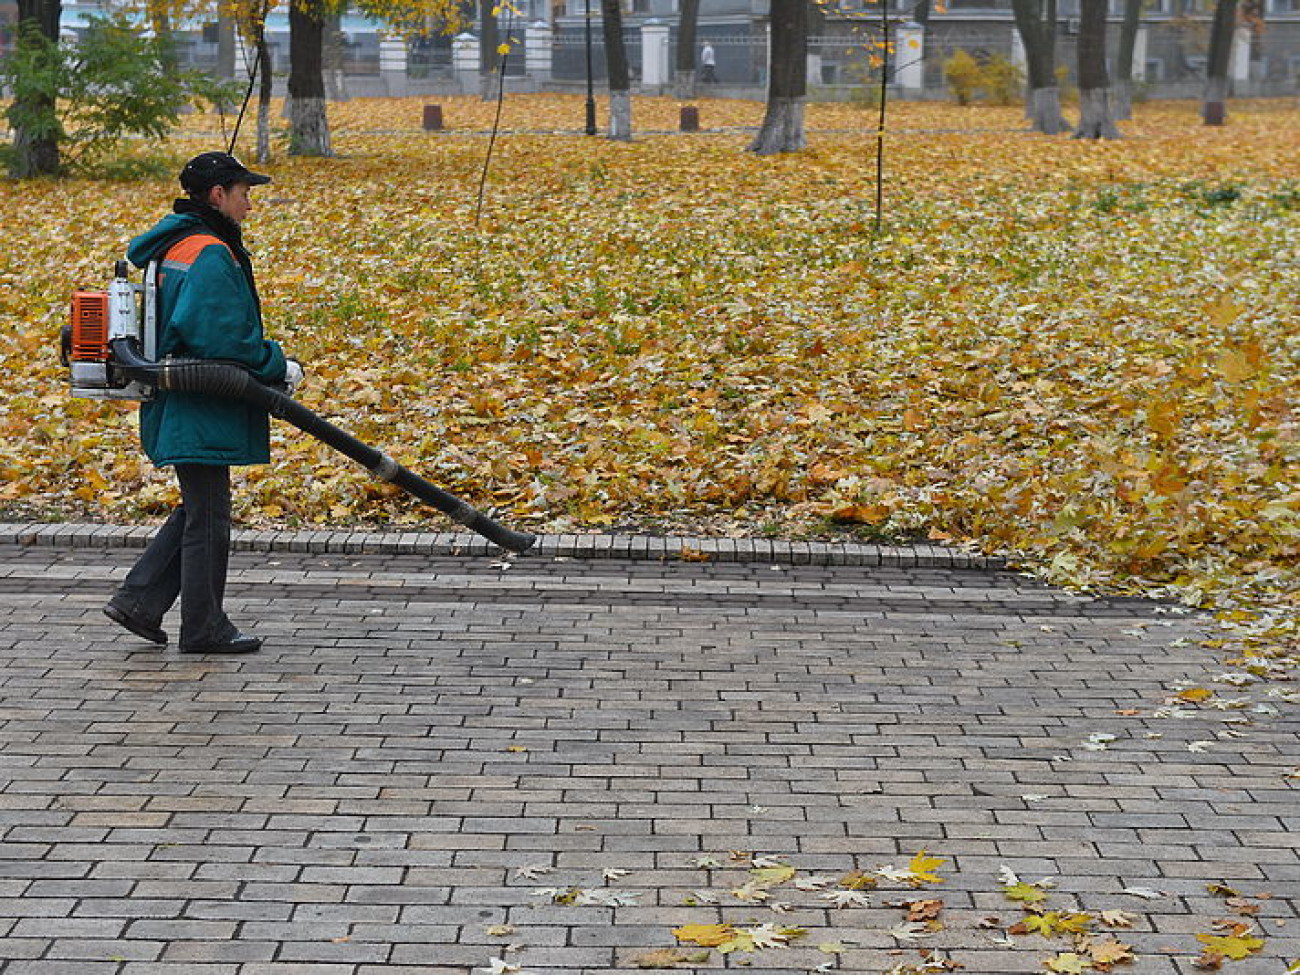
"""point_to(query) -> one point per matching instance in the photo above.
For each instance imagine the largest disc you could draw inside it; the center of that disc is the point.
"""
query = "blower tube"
(234, 382)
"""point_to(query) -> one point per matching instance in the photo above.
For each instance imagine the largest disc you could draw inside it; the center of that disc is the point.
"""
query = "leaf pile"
(1082, 356)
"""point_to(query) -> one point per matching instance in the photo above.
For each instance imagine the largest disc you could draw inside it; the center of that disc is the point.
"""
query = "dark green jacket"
(208, 309)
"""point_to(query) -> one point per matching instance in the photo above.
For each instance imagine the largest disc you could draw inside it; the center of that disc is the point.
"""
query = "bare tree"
(227, 29)
(1215, 108)
(686, 30)
(620, 78)
(309, 128)
(335, 45)
(1036, 23)
(1128, 29)
(1096, 119)
(265, 90)
(787, 83)
(489, 42)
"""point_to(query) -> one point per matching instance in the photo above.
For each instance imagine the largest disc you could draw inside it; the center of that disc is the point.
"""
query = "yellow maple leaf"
(1068, 962)
(1235, 366)
(772, 875)
(922, 869)
(740, 941)
(1025, 893)
(705, 935)
(1235, 947)
(857, 880)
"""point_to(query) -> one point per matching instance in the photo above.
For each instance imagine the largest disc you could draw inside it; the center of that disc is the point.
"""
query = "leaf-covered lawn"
(1083, 355)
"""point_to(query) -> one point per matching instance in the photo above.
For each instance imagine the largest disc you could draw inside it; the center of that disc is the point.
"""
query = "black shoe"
(239, 643)
(153, 634)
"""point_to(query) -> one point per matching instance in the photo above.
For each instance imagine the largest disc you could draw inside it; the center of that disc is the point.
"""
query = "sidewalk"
(451, 763)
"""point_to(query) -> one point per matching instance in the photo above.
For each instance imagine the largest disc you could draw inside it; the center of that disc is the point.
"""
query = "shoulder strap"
(150, 288)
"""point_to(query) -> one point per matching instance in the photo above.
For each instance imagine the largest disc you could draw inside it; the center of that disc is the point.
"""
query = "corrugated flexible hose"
(232, 381)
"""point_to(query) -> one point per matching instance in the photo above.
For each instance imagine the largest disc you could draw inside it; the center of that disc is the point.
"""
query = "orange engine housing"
(89, 326)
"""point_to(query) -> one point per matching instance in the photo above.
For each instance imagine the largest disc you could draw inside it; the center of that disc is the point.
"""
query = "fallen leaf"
(1025, 893)
(1069, 963)
(857, 880)
(1235, 947)
(669, 958)
(924, 910)
(1109, 952)
(1146, 893)
(910, 931)
(705, 935)
(847, 898)
(771, 876)
(1117, 919)
(1221, 889)
(922, 868)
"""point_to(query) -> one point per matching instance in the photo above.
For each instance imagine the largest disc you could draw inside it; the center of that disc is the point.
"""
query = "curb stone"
(655, 548)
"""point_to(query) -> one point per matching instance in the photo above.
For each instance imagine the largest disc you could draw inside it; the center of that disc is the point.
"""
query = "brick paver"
(433, 749)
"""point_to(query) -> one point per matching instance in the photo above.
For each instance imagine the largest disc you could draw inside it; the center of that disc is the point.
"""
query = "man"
(708, 63)
(208, 309)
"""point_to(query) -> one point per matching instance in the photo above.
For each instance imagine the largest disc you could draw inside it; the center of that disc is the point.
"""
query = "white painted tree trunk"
(684, 84)
(1214, 110)
(1122, 100)
(1044, 111)
(620, 116)
(782, 129)
(263, 132)
(311, 133)
(1096, 120)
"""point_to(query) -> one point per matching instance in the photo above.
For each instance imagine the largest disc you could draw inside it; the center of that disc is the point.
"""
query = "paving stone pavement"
(431, 748)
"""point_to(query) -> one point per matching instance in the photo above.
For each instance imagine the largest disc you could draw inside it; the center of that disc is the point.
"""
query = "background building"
(551, 41)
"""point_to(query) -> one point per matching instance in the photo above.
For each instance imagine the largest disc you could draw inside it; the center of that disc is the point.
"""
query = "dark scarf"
(225, 230)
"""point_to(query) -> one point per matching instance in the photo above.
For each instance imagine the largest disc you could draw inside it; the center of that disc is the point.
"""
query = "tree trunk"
(36, 142)
(787, 85)
(488, 42)
(226, 46)
(620, 78)
(685, 78)
(1037, 28)
(309, 133)
(1124, 61)
(620, 116)
(1096, 118)
(1215, 107)
(1045, 111)
(266, 83)
(336, 86)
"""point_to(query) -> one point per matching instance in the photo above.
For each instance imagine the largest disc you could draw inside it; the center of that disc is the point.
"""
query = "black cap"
(216, 169)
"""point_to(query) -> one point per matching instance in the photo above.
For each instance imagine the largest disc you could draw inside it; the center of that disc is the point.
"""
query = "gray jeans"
(187, 558)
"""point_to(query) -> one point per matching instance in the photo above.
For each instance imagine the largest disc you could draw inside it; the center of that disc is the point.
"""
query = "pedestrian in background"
(708, 63)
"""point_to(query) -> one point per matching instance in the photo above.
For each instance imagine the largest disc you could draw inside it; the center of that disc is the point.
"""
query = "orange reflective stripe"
(186, 252)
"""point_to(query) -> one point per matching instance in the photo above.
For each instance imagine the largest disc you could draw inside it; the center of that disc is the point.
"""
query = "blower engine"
(110, 348)
(99, 318)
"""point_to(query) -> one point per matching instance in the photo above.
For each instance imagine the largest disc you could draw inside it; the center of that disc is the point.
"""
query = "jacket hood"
(142, 249)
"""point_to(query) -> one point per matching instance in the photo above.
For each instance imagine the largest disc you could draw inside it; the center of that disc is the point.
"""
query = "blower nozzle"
(232, 381)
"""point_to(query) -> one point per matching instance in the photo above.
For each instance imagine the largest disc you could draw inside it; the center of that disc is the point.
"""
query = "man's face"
(233, 203)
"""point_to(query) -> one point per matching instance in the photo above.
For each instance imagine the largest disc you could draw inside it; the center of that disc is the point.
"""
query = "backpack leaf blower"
(110, 354)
